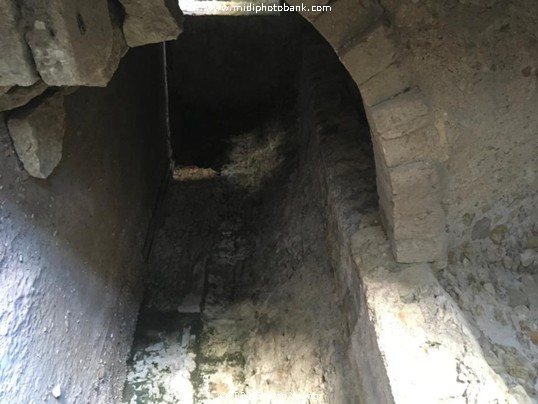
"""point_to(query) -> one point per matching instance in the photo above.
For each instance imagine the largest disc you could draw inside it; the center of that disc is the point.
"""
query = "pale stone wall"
(409, 153)
(407, 339)
(71, 264)
(476, 64)
(448, 88)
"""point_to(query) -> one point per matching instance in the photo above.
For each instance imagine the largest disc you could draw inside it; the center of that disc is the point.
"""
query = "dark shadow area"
(226, 75)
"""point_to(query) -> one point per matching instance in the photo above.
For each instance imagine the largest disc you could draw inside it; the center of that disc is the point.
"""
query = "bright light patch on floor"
(161, 372)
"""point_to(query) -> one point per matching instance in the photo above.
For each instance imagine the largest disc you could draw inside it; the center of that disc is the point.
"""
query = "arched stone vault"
(409, 150)
(431, 73)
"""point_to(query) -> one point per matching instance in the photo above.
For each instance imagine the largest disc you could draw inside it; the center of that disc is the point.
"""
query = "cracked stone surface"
(18, 96)
(71, 41)
(151, 21)
(37, 131)
(16, 64)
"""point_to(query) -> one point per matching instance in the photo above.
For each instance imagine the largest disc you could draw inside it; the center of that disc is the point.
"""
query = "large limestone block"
(399, 116)
(419, 179)
(386, 84)
(18, 96)
(118, 50)
(369, 54)
(417, 237)
(71, 40)
(414, 222)
(37, 131)
(423, 144)
(151, 21)
(346, 20)
(413, 217)
(415, 250)
(410, 203)
(404, 130)
(16, 64)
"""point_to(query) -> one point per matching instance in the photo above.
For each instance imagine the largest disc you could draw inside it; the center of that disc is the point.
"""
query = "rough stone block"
(422, 144)
(346, 20)
(37, 131)
(369, 54)
(151, 21)
(399, 116)
(418, 179)
(417, 238)
(412, 217)
(71, 40)
(420, 250)
(414, 183)
(415, 221)
(411, 211)
(18, 96)
(384, 85)
(16, 63)
(119, 48)
(409, 199)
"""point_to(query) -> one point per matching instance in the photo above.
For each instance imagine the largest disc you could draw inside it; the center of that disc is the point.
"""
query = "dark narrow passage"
(228, 75)
(241, 299)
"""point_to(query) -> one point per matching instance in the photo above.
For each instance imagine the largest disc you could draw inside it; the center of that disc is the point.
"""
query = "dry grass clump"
(255, 155)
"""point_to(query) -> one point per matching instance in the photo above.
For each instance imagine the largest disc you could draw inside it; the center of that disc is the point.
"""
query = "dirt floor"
(240, 305)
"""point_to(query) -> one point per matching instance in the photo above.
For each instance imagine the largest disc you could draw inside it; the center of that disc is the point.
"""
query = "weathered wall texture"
(477, 63)
(337, 138)
(407, 339)
(74, 43)
(71, 266)
(449, 89)
(409, 154)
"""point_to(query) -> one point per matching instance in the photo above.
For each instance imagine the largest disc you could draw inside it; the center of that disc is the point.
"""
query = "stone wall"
(71, 266)
(407, 339)
(448, 88)
(409, 153)
(477, 62)
(338, 150)
(74, 43)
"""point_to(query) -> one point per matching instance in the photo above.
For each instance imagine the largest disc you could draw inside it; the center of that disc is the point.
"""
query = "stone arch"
(409, 149)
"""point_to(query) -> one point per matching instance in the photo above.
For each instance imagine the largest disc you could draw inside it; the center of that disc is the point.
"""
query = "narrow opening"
(228, 76)
(242, 300)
